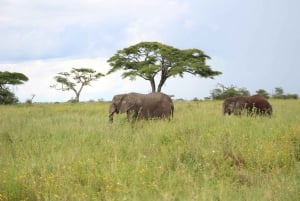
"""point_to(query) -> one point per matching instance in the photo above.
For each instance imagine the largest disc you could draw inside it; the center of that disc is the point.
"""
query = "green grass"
(71, 152)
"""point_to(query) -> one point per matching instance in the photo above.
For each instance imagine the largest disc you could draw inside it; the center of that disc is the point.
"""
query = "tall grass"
(71, 152)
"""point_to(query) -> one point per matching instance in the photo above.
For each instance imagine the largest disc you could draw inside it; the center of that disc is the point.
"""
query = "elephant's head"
(241, 103)
(229, 105)
(115, 106)
(235, 105)
(121, 103)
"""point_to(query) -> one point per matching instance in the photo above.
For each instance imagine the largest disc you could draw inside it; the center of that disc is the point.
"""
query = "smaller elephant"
(143, 106)
(255, 104)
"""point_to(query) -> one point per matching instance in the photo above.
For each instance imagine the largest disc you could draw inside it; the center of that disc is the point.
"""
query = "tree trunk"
(152, 81)
(79, 92)
(162, 81)
(77, 98)
(160, 85)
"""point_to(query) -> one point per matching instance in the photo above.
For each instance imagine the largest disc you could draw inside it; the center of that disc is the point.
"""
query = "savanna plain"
(70, 152)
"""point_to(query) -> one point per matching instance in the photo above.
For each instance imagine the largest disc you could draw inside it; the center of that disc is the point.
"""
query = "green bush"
(7, 97)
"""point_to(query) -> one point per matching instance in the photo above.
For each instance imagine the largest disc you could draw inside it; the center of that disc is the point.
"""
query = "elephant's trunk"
(223, 109)
(112, 110)
(111, 118)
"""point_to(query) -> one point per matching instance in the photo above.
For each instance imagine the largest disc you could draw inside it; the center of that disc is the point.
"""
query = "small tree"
(263, 93)
(30, 100)
(75, 80)
(223, 92)
(6, 79)
(278, 93)
(7, 97)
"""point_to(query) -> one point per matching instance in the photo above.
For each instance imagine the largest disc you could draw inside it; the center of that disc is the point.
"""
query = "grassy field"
(70, 152)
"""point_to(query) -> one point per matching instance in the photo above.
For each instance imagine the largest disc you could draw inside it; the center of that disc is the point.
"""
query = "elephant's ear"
(127, 103)
(123, 107)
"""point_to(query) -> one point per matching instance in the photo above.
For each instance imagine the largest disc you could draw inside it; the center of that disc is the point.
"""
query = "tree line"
(222, 92)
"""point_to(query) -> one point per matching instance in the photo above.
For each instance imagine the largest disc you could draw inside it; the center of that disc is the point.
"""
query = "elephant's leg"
(132, 115)
(111, 118)
(139, 114)
(128, 115)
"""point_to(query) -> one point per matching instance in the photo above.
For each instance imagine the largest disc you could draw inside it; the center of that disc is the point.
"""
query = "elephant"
(142, 106)
(255, 104)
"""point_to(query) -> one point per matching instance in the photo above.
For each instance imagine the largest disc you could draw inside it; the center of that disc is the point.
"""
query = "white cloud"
(140, 30)
(82, 12)
(36, 29)
(148, 25)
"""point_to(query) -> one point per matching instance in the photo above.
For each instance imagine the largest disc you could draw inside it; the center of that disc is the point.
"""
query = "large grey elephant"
(255, 104)
(142, 106)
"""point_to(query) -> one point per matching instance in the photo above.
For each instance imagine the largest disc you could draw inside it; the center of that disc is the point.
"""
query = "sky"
(254, 43)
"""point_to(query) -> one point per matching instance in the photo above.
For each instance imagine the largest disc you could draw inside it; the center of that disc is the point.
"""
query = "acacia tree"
(151, 59)
(6, 79)
(263, 93)
(75, 80)
(278, 93)
(223, 92)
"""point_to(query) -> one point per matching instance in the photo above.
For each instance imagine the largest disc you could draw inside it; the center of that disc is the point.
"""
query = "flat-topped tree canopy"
(150, 59)
(12, 78)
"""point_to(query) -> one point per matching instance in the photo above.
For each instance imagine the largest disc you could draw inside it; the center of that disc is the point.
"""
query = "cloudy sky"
(255, 43)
